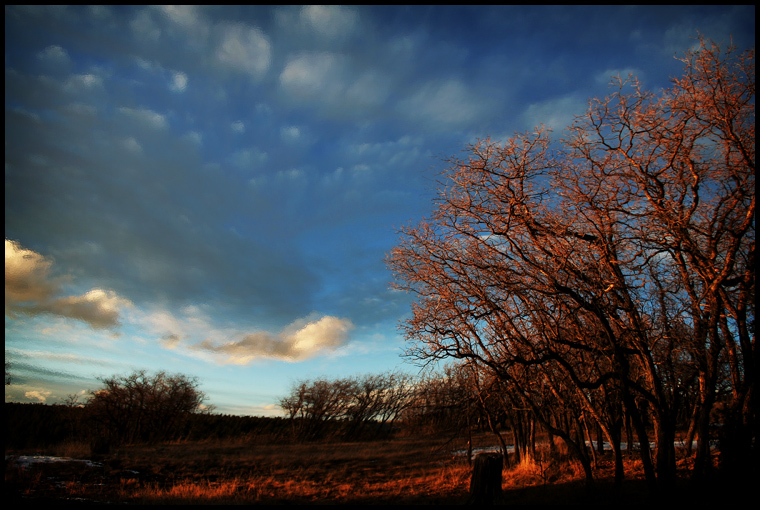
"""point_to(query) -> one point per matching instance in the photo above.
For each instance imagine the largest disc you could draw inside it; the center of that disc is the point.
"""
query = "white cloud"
(238, 126)
(132, 145)
(330, 21)
(193, 328)
(194, 137)
(179, 82)
(55, 55)
(443, 103)
(301, 340)
(290, 133)
(252, 157)
(27, 276)
(556, 114)
(244, 48)
(292, 174)
(99, 308)
(82, 83)
(186, 16)
(40, 395)
(145, 117)
(326, 333)
(333, 83)
(31, 290)
(313, 76)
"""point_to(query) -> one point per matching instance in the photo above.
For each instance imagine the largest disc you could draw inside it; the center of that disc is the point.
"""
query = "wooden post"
(485, 485)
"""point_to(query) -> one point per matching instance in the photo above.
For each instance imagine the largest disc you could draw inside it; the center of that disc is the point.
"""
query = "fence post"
(485, 484)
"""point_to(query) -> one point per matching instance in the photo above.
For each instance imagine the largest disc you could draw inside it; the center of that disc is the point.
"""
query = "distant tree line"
(36, 425)
(141, 408)
(39, 426)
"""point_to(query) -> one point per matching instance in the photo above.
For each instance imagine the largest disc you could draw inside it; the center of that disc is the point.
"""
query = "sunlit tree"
(352, 406)
(586, 273)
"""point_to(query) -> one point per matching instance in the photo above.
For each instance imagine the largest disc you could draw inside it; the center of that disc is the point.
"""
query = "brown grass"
(403, 471)
(245, 473)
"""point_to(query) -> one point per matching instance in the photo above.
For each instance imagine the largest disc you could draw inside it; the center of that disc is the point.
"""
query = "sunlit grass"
(306, 486)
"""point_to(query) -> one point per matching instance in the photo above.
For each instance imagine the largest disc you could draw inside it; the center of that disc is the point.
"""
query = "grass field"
(402, 471)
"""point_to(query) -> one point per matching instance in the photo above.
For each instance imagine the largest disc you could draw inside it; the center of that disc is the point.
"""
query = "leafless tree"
(572, 272)
(351, 406)
(144, 408)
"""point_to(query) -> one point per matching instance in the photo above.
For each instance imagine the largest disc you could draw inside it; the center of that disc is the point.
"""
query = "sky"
(212, 191)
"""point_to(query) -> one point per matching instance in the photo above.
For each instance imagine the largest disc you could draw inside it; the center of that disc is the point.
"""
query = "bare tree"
(571, 272)
(352, 406)
(141, 407)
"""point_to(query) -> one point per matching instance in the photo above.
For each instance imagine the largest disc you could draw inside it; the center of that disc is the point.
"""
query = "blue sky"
(213, 190)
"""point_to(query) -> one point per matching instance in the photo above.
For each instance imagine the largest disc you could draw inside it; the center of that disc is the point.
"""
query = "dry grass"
(246, 472)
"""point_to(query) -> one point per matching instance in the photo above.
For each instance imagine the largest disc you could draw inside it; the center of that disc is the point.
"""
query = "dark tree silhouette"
(144, 408)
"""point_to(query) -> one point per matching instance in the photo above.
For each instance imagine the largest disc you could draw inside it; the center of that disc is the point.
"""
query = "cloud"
(82, 83)
(144, 117)
(556, 114)
(132, 145)
(443, 103)
(31, 290)
(55, 53)
(244, 48)
(179, 82)
(55, 59)
(329, 21)
(27, 276)
(300, 340)
(144, 27)
(313, 76)
(186, 16)
(99, 308)
(332, 83)
(42, 396)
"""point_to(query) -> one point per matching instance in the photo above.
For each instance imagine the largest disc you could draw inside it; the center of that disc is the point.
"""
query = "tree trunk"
(485, 484)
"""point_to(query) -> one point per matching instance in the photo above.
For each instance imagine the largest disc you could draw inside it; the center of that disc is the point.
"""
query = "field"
(400, 471)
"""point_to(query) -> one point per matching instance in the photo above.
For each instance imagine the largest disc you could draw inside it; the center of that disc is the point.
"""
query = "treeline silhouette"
(141, 408)
(38, 426)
